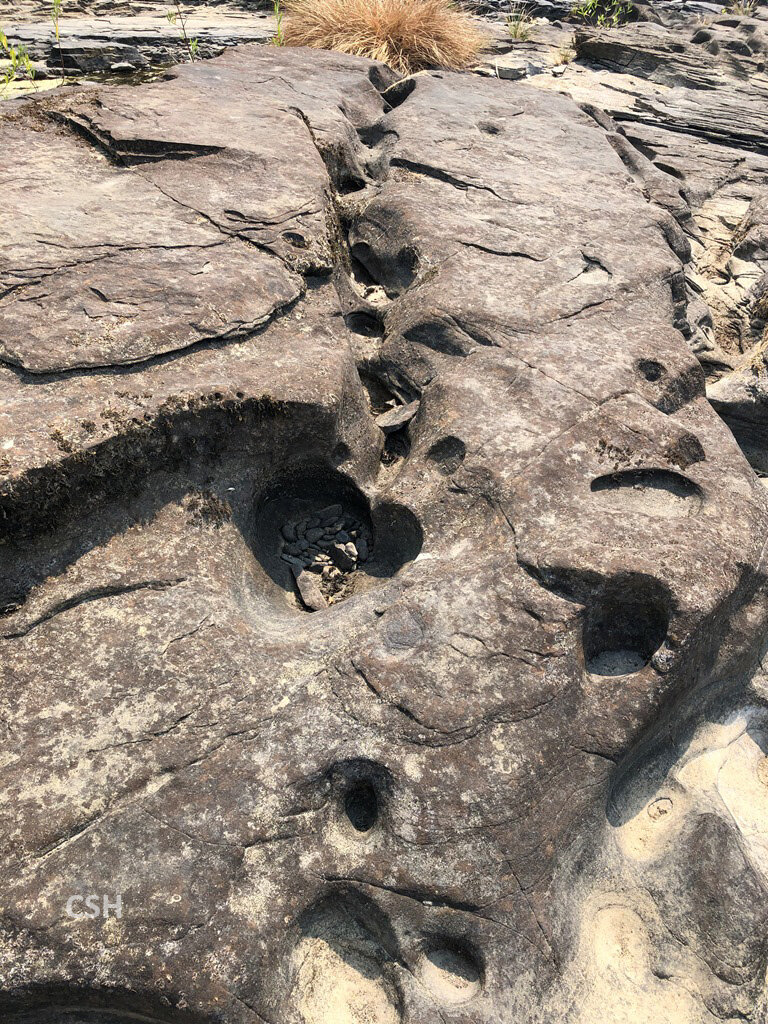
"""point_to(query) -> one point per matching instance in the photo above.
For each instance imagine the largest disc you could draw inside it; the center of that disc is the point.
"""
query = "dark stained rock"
(518, 772)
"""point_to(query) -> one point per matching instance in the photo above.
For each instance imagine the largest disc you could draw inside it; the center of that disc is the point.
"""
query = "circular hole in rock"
(361, 806)
(651, 370)
(398, 539)
(625, 626)
(451, 975)
(296, 239)
(448, 454)
(365, 324)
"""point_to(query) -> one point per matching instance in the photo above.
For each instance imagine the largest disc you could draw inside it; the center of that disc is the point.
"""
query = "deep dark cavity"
(397, 447)
(399, 92)
(361, 806)
(360, 789)
(296, 239)
(395, 274)
(366, 323)
(624, 625)
(383, 394)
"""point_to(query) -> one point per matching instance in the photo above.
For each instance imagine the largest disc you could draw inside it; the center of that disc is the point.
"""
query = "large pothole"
(318, 537)
(624, 626)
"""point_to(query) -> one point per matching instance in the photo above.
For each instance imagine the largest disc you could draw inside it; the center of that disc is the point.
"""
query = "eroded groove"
(97, 594)
(428, 171)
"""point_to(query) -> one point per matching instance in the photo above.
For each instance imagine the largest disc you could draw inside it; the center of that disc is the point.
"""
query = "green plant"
(56, 6)
(177, 17)
(278, 39)
(407, 35)
(19, 64)
(603, 13)
(55, 15)
(744, 8)
(519, 22)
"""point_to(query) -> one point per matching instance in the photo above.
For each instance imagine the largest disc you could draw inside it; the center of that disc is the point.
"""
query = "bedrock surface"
(505, 761)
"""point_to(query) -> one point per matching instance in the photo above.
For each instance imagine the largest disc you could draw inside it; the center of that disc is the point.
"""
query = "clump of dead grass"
(407, 35)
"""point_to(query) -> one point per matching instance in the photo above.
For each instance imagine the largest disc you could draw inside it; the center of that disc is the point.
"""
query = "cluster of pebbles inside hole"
(323, 550)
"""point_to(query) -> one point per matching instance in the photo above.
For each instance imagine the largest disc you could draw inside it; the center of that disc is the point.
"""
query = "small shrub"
(177, 17)
(19, 67)
(408, 35)
(519, 22)
(278, 39)
(603, 13)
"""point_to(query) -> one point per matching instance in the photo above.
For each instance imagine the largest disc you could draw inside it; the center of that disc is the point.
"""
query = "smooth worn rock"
(310, 591)
(397, 418)
(515, 772)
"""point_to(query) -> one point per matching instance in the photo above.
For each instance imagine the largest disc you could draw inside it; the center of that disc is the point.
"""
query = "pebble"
(314, 534)
(341, 557)
(329, 513)
(289, 532)
(291, 560)
(362, 549)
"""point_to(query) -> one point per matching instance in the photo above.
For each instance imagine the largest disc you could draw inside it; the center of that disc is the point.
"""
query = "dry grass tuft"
(743, 8)
(408, 35)
(565, 55)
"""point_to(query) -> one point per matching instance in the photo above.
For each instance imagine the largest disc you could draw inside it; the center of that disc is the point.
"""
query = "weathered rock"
(397, 418)
(516, 774)
(310, 590)
(95, 41)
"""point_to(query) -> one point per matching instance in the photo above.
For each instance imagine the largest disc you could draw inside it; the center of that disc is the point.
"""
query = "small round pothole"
(651, 369)
(361, 806)
(451, 975)
(624, 626)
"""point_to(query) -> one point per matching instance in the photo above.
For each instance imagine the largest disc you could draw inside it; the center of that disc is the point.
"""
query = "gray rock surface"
(519, 772)
(123, 37)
